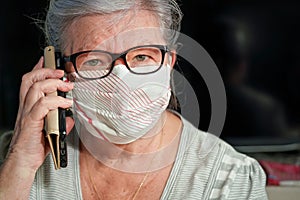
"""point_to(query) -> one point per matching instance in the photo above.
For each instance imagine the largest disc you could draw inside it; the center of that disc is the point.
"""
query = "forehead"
(101, 32)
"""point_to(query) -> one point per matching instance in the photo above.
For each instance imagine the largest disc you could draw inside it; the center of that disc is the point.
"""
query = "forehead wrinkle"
(99, 38)
(79, 39)
(93, 38)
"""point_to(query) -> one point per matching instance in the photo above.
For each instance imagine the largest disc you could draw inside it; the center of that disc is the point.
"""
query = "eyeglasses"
(97, 64)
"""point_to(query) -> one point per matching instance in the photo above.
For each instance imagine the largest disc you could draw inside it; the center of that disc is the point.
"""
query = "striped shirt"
(206, 167)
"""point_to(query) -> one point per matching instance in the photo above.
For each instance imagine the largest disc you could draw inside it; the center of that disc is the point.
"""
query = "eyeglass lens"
(139, 60)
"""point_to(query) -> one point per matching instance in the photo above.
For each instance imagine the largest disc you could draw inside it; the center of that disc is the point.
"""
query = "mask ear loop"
(173, 103)
(170, 59)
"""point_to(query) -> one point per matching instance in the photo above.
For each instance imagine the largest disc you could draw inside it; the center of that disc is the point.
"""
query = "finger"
(26, 78)
(46, 104)
(39, 65)
(42, 88)
(35, 76)
(33, 122)
(50, 85)
(23, 90)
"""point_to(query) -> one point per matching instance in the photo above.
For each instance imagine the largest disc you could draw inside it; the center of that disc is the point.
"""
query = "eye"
(141, 57)
(92, 63)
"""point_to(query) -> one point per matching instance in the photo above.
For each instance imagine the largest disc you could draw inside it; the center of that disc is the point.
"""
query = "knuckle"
(43, 101)
(25, 77)
(36, 86)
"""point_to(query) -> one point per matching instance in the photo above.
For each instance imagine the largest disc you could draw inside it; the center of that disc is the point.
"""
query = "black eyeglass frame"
(72, 58)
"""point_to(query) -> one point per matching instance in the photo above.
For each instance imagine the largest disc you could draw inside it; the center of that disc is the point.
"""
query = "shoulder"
(210, 147)
(229, 173)
(207, 145)
(5, 139)
(240, 175)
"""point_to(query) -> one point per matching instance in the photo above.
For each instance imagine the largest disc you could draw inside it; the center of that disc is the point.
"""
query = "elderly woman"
(123, 140)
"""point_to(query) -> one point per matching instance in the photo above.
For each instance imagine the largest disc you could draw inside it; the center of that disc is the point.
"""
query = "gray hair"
(62, 13)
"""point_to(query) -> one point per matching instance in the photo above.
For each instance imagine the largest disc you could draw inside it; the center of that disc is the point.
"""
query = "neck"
(133, 157)
(138, 152)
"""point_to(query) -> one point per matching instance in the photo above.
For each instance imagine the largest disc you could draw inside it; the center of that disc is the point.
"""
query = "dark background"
(268, 46)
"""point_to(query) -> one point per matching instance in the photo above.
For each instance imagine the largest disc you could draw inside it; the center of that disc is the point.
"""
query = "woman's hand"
(28, 148)
(28, 143)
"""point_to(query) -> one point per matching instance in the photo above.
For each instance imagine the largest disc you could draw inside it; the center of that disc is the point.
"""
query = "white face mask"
(123, 106)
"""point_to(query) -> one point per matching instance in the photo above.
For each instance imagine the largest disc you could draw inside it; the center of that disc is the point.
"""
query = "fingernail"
(41, 59)
(59, 72)
(69, 84)
(69, 101)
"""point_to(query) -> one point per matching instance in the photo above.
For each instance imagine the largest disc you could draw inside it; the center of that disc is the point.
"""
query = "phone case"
(55, 120)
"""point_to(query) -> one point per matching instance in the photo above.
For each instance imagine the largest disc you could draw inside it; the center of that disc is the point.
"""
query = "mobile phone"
(55, 121)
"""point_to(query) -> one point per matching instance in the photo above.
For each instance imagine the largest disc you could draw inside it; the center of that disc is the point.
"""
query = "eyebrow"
(144, 41)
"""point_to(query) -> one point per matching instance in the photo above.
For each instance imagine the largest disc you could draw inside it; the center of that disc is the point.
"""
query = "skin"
(85, 34)
(18, 171)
